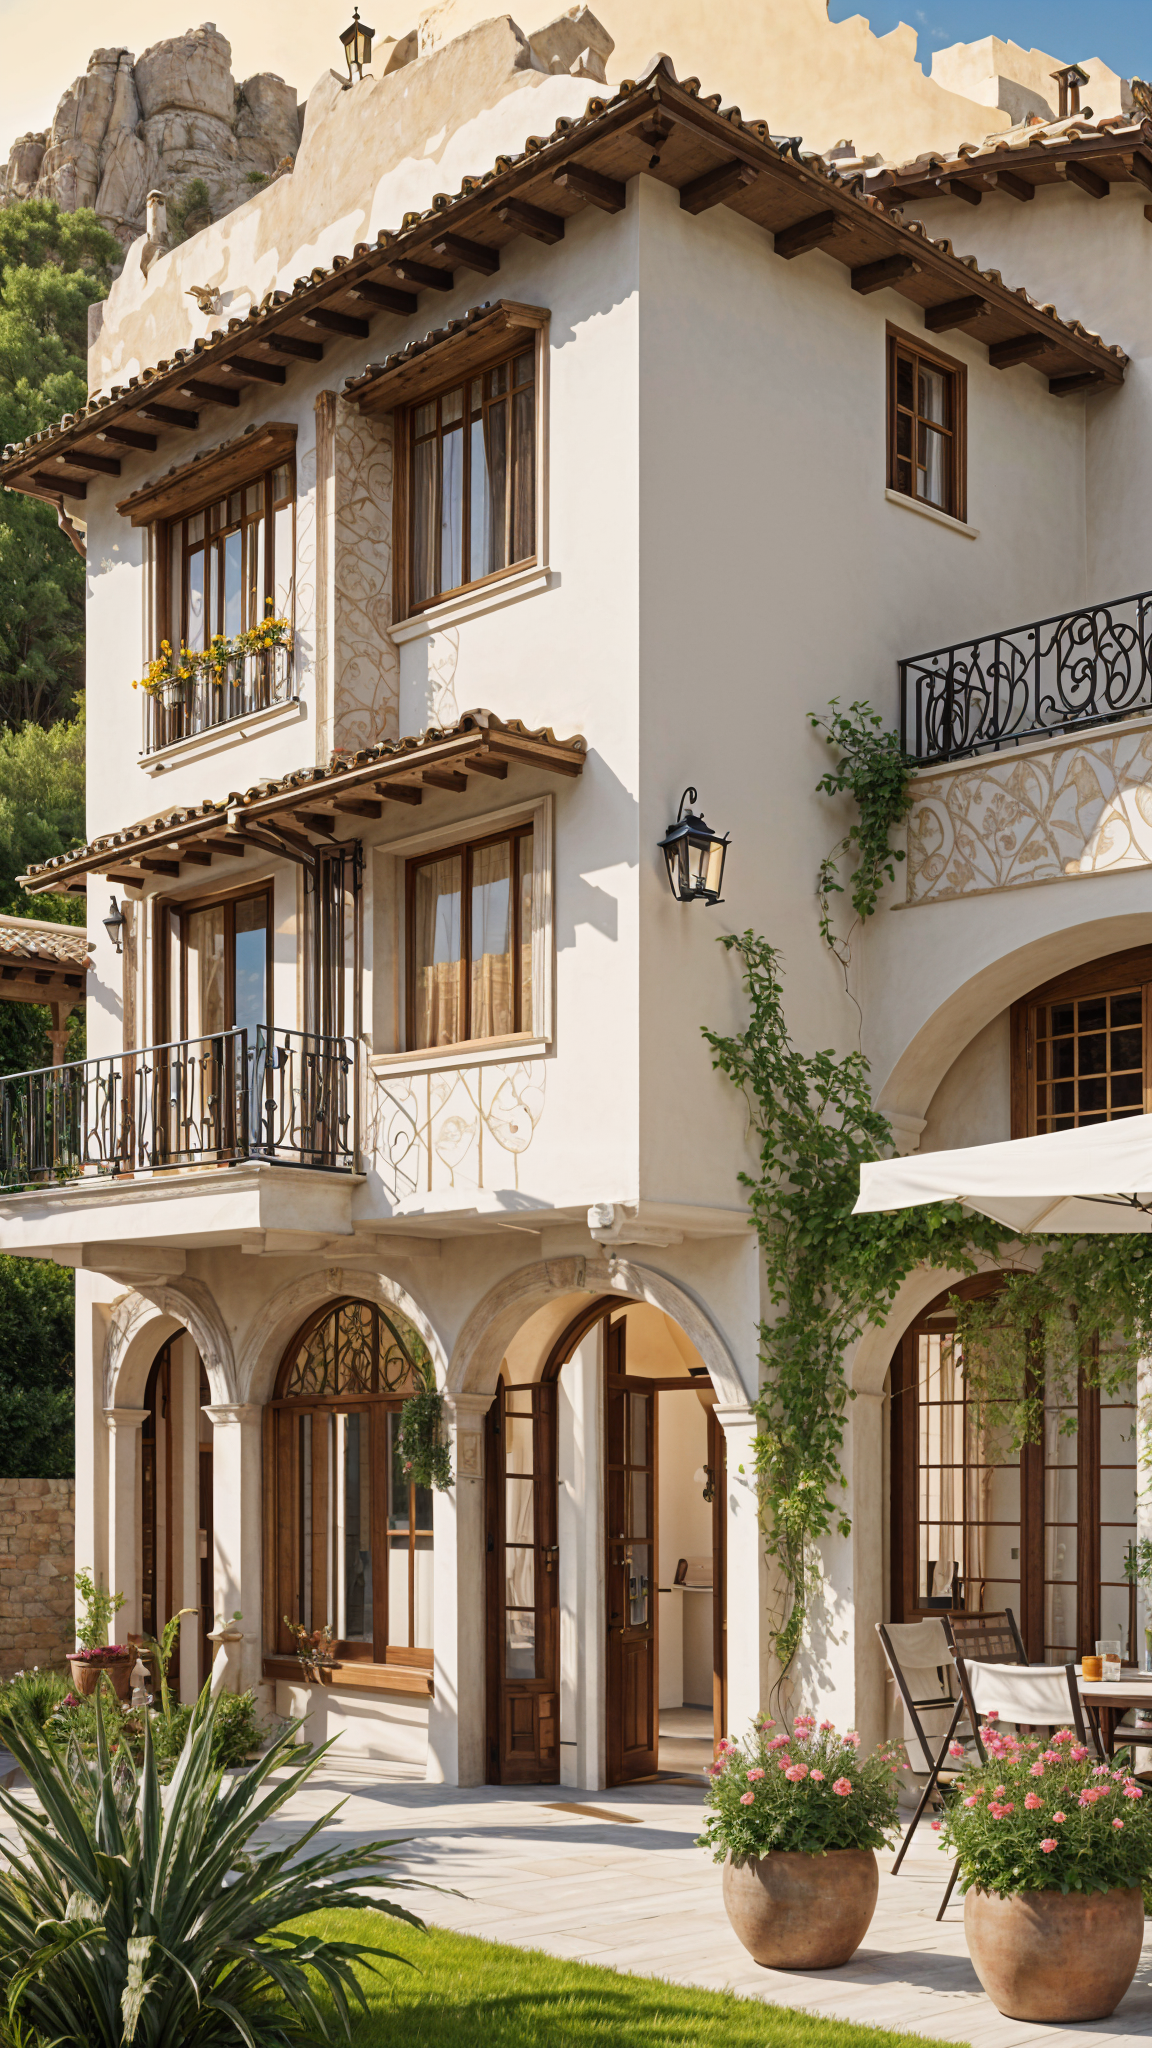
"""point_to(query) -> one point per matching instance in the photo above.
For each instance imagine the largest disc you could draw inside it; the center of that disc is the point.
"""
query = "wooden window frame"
(170, 1005)
(1117, 971)
(405, 605)
(284, 1507)
(956, 498)
(465, 848)
(171, 532)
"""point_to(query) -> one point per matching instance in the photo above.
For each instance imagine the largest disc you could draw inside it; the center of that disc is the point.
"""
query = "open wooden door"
(718, 1468)
(523, 1590)
(630, 1428)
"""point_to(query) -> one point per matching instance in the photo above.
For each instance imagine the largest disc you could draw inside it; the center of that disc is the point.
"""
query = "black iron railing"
(1080, 668)
(246, 683)
(284, 1095)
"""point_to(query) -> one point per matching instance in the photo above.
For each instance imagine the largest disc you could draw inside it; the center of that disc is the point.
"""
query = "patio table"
(1107, 1700)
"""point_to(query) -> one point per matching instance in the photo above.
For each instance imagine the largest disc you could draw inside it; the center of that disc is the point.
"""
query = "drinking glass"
(1110, 1653)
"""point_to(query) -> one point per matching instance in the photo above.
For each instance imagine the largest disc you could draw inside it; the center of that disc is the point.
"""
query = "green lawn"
(465, 1991)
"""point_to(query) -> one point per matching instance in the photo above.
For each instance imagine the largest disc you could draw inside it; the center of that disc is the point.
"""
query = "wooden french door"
(633, 1735)
(523, 1661)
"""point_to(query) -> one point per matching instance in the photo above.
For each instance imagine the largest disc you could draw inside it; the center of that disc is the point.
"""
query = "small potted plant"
(1053, 1847)
(93, 1655)
(315, 1649)
(796, 1821)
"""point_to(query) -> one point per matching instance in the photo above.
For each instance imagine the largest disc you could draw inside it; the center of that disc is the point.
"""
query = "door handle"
(551, 1553)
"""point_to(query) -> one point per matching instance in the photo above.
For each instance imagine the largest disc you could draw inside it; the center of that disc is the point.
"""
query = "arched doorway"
(661, 1548)
(349, 1534)
(1043, 1530)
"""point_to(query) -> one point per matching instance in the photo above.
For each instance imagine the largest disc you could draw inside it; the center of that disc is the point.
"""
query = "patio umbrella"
(1095, 1179)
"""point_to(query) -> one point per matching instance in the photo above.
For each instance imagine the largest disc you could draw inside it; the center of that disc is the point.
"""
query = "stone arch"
(139, 1324)
(278, 1319)
(475, 1364)
(966, 1010)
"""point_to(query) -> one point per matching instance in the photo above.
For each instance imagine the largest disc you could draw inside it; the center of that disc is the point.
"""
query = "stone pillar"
(869, 1712)
(124, 1561)
(237, 1498)
(186, 1508)
(93, 1440)
(583, 1621)
(748, 1661)
(457, 1721)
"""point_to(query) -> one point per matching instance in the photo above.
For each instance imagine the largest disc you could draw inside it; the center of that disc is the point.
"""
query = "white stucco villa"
(587, 433)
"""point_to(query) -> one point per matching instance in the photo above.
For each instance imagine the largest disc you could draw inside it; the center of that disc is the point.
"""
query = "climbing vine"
(1070, 1311)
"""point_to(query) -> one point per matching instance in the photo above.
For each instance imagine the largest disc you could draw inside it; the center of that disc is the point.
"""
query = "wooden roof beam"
(960, 188)
(714, 187)
(532, 220)
(152, 866)
(424, 276)
(103, 465)
(1085, 179)
(606, 193)
(956, 313)
(808, 234)
(1012, 183)
(210, 394)
(336, 323)
(315, 821)
(385, 296)
(65, 486)
(358, 806)
(128, 437)
(125, 878)
(249, 366)
(229, 845)
(445, 778)
(1139, 166)
(399, 792)
(1081, 380)
(887, 271)
(479, 764)
(290, 345)
(472, 255)
(169, 415)
(1023, 348)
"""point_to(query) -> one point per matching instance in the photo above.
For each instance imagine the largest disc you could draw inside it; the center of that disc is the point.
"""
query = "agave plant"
(137, 1916)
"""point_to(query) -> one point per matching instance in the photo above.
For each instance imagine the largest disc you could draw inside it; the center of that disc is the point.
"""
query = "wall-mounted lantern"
(114, 925)
(357, 42)
(694, 855)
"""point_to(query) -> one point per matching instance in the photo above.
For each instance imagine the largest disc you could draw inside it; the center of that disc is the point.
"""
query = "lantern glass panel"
(715, 870)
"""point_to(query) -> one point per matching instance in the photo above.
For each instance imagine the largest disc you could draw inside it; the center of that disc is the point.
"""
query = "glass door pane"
(519, 1538)
(353, 1528)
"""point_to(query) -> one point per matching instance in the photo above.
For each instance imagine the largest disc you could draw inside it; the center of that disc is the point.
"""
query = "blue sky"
(1119, 31)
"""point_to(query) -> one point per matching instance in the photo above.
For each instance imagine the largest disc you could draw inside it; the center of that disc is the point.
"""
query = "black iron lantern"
(357, 42)
(114, 925)
(695, 856)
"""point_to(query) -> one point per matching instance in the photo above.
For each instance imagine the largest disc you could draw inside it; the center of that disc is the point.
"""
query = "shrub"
(31, 1698)
(236, 1733)
(809, 1791)
(99, 1609)
(134, 1918)
(1040, 1817)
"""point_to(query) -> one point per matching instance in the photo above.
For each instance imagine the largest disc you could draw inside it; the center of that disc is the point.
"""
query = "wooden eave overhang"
(444, 355)
(298, 815)
(211, 474)
(660, 126)
(1091, 160)
(42, 964)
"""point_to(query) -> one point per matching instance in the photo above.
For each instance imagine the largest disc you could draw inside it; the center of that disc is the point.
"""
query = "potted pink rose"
(796, 1821)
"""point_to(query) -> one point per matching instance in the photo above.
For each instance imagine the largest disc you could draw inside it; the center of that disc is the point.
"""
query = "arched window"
(351, 1536)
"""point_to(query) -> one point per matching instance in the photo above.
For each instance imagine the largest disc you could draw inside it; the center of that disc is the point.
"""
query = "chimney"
(156, 219)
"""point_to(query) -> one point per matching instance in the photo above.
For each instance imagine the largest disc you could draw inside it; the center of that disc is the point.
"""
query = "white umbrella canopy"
(1092, 1180)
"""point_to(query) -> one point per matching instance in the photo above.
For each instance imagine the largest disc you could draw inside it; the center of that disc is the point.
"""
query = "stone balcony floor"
(625, 1887)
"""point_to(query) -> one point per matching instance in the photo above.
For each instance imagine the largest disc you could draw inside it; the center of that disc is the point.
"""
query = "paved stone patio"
(623, 1885)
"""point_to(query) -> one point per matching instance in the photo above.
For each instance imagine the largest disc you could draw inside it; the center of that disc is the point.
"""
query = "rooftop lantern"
(357, 42)
(1069, 79)
(114, 925)
(694, 855)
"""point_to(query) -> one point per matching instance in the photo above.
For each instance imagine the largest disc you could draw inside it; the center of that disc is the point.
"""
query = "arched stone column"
(124, 1426)
(139, 1323)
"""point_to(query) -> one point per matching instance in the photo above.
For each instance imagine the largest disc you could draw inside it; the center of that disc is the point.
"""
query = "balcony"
(244, 685)
(285, 1097)
(1076, 670)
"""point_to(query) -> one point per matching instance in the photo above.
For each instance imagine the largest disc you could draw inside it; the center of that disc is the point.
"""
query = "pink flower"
(1099, 1770)
(796, 1772)
(746, 1798)
(1032, 1803)
(765, 1725)
(1079, 1753)
(973, 1799)
(1117, 1823)
(852, 1740)
(753, 1775)
(725, 1744)
(998, 1810)
(1063, 1735)
(843, 1787)
(1001, 1792)
(993, 1715)
(715, 1770)
(817, 1777)
(1048, 1846)
(804, 1720)
(780, 1742)
(955, 1749)
(1132, 1791)
(1036, 1770)
(827, 1727)
(936, 1826)
(1059, 1816)
(1051, 1756)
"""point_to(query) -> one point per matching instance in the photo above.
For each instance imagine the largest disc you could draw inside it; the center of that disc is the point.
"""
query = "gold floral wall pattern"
(453, 1128)
(1077, 807)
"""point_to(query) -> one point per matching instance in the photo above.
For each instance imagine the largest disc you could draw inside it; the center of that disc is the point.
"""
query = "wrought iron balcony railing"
(247, 683)
(197, 1102)
(1080, 668)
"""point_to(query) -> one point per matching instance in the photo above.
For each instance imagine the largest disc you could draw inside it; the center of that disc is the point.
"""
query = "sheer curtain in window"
(437, 963)
(492, 1000)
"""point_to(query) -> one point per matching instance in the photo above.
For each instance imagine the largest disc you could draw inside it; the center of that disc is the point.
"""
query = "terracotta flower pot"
(797, 1912)
(1051, 1956)
(86, 1674)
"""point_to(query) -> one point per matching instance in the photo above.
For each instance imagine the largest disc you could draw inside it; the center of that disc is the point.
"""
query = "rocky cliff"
(171, 120)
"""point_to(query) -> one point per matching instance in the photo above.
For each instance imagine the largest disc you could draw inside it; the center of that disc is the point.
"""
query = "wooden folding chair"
(919, 1658)
(989, 1638)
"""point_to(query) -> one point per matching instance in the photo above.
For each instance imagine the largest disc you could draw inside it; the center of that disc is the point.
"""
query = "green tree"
(53, 266)
(37, 1338)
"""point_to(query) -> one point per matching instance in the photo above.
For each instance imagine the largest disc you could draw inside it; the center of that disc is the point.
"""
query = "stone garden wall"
(37, 1542)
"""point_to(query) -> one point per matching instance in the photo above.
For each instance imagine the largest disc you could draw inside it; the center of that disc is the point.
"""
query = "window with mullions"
(470, 941)
(232, 562)
(353, 1534)
(1081, 1047)
(926, 393)
(472, 480)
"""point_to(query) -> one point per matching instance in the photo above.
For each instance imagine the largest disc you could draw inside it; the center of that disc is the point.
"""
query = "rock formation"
(160, 121)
